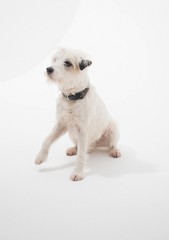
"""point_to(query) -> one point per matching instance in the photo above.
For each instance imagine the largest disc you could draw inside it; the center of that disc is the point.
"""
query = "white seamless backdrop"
(120, 199)
(30, 30)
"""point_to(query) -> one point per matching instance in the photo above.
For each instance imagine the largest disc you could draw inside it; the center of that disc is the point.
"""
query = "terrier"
(80, 111)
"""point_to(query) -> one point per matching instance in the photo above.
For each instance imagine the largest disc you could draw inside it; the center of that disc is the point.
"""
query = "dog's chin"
(52, 80)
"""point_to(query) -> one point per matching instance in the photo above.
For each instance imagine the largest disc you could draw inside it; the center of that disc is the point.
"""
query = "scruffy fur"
(86, 120)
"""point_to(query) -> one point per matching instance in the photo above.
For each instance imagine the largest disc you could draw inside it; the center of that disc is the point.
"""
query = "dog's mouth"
(48, 76)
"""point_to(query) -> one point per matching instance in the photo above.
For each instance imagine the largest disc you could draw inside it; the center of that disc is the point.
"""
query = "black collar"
(78, 95)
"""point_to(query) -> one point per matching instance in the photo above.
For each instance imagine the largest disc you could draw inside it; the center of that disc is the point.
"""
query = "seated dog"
(80, 111)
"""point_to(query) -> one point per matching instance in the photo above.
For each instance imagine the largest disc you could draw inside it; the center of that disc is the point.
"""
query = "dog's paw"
(115, 153)
(71, 151)
(41, 157)
(76, 176)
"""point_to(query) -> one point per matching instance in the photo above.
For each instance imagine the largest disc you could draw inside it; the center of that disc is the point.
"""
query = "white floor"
(121, 199)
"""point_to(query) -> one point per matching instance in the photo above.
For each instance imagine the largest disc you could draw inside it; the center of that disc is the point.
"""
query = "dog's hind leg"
(71, 151)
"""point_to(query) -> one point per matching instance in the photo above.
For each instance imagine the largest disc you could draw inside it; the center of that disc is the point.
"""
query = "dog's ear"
(84, 63)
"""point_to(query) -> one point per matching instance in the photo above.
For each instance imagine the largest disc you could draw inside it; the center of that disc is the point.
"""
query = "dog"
(80, 111)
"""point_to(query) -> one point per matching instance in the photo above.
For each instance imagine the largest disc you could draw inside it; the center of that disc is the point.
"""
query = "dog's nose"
(49, 70)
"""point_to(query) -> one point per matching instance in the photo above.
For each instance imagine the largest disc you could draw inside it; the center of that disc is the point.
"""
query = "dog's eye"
(68, 64)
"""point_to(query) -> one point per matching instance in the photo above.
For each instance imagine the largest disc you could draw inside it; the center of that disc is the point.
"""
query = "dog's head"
(68, 69)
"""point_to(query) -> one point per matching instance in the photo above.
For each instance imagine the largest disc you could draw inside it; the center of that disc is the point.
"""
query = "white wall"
(30, 30)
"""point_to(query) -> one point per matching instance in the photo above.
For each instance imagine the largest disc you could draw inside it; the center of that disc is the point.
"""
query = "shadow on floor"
(51, 169)
(100, 163)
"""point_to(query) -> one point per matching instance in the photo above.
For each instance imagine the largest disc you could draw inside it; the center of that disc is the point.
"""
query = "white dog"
(80, 111)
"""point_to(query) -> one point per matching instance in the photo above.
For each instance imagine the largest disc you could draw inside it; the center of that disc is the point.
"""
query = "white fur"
(86, 120)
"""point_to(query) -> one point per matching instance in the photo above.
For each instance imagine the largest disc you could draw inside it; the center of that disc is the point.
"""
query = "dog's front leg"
(81, 157)
(56, 132)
